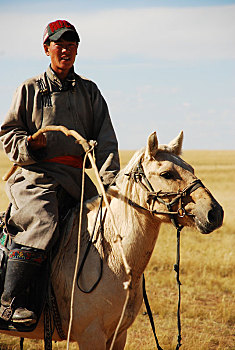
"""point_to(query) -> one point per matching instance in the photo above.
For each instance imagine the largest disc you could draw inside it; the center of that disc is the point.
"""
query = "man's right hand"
(37, 143)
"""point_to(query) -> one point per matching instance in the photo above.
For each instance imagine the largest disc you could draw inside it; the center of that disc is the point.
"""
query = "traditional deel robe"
(77, 104)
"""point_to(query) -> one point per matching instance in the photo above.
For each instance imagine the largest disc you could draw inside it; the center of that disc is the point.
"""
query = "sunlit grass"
(207, 272)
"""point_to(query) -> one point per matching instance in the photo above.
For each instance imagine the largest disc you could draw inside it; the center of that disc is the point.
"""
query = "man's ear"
(46, 49)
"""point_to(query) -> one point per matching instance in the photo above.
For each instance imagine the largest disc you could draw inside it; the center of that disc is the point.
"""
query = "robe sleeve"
(14, 130)
(107, 156)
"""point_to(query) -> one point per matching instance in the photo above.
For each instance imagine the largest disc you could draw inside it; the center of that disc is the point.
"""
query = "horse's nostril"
(215, 216)
(212, 216)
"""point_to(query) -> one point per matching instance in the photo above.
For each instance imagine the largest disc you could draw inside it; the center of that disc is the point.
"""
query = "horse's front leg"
(119, 342)
(92, 338)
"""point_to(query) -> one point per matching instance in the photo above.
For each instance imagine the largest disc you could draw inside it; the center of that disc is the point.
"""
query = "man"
(50, 166)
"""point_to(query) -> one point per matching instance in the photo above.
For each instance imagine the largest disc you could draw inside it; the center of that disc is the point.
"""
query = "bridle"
(138, 175)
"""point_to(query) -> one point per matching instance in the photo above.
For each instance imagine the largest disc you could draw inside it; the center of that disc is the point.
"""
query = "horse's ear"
(176, 144)
(152, 146)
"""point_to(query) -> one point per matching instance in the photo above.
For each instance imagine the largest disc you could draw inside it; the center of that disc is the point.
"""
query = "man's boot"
(22, 267)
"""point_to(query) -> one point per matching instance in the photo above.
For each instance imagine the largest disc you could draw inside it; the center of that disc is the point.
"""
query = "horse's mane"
(122, 177)
(129, 189)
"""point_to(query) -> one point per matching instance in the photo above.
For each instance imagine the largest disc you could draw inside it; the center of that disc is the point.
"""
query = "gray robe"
(77, 104)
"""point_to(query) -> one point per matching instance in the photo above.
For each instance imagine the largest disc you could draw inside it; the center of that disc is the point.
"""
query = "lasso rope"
(78, 251)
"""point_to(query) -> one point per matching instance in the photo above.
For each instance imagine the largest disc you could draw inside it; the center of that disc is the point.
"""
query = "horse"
(156, 186)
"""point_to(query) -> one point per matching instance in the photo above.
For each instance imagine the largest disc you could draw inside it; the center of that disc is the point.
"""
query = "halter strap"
(138, 175)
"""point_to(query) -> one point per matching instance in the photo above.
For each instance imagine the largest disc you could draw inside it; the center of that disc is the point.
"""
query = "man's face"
(63, 54)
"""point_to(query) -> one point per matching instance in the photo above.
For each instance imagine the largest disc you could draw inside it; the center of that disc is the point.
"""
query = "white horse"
(154, 177)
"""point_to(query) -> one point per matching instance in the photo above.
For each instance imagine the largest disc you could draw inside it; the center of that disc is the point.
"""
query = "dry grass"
(207, 273)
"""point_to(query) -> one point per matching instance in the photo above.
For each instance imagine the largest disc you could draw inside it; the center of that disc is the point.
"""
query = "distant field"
(207, 272)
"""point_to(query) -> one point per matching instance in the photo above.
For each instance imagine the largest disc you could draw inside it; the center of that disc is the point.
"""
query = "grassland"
(207, 272)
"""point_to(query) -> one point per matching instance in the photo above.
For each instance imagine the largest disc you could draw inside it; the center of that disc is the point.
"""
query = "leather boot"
(22, 266)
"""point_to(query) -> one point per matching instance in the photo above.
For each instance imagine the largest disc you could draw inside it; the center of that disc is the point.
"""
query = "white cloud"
(152, 33)
(186, 104)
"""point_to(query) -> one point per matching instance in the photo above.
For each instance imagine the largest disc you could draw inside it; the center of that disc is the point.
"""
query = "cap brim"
(58, 35)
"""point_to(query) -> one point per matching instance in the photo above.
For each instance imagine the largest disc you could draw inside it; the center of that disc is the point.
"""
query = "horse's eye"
(167, 175)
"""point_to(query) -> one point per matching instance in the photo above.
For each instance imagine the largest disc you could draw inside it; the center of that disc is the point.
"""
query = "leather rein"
(139, 176)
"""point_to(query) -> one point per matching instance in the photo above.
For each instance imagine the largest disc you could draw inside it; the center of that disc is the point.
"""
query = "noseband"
(139, 176)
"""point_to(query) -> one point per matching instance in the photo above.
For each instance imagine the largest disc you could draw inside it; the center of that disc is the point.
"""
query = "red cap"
(55, 30)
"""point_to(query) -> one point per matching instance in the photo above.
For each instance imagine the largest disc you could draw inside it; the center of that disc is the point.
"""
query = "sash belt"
(74, 161)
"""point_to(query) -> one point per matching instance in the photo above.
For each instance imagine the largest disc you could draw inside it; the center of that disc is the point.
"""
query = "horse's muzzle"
(212, 221)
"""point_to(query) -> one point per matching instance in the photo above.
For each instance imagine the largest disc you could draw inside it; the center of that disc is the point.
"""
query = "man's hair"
(47, 42)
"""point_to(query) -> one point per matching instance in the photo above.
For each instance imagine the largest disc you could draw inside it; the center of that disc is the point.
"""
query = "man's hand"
(37, 143)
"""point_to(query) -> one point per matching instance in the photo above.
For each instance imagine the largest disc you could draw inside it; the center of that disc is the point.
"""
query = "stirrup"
(24, 316)
(15, 315)
(6, 312)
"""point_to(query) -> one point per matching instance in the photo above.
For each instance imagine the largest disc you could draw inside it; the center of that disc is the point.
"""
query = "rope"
(78, 251)
(121, 318)
(87, 252)
(21, 343)
(56, 315)
(177, 270)
(48, 328)
(150, 315)
(149, 312)
(117, 240)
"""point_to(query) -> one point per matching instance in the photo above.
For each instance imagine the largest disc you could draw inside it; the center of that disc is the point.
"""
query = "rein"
(139, 176)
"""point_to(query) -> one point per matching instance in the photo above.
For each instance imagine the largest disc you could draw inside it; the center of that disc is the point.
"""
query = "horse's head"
(170, 189)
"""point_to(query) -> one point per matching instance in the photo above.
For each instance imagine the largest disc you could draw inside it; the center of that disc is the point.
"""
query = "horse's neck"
(138, 229)
(139, 232)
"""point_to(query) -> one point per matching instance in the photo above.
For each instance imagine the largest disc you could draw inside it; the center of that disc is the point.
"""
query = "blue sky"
(162, 65)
